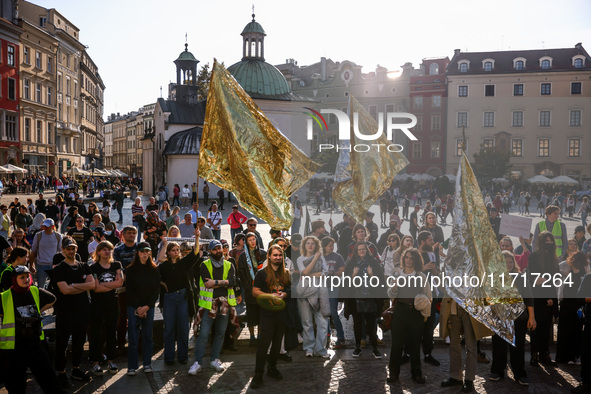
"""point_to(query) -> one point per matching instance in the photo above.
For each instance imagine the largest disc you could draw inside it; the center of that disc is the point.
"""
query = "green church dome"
(259, 78)
(253, 27)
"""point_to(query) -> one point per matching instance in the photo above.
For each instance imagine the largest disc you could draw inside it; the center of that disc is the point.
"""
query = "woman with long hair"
(174, 277)
(543, 261)
(164, 211)
(104, 309)
(142, 285)
(407, 321)
(363, 303)
(174, 218)
(435, 230)
(92, 210)
(311, 264)
(406, 242)
(18, 239)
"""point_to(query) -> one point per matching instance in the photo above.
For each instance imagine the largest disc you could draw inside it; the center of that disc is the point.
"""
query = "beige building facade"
(38, 108)
(534, 104)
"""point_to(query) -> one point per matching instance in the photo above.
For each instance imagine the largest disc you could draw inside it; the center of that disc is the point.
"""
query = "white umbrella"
(539, 179)
(426, 177)
(15, 169)
(563, 179)
(4, 170)
(121, 173)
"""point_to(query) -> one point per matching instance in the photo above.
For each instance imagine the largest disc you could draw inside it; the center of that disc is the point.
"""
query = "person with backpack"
(46, 244)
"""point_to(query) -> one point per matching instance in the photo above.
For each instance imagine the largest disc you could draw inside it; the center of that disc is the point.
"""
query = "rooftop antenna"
(160, 91)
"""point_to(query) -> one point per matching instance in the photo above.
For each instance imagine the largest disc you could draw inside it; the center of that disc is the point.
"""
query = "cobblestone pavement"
(341, 374)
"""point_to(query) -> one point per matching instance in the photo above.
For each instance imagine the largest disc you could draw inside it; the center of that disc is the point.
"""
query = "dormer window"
(519, 65)
(434, 69)
(579, 61)
(546, 63)
(488, 66)
(464, 66)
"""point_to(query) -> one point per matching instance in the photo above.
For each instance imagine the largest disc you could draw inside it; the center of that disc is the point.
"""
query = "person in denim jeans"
(142, 285)
(216, 303)
(174, 276)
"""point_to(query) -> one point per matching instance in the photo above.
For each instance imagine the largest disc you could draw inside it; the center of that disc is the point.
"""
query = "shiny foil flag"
(475, 253)
(362, 177)
(242, 152)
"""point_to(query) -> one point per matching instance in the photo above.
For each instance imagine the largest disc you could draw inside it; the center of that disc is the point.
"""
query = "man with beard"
(275, 280)
(248, 264)
(216, 301)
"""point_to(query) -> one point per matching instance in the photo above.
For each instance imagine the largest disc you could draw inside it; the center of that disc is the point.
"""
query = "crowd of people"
(74, 259)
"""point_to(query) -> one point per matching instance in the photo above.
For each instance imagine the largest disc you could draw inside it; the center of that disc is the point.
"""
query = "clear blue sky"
(135, 42)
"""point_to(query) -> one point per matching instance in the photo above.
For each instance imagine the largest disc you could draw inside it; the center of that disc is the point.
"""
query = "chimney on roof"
(579, 45)
(457, 51)
(323, 68)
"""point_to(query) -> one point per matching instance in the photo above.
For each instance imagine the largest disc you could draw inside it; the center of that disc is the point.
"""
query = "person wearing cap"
(74, 279)
(22, 341)
(216, 305)
(18, 256)
(83, 236)
(142, 285)
(45, 245)
(174, 274)
(187, 228)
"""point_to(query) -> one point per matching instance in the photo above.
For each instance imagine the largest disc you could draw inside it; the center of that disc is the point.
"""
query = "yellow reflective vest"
(206, 295)
(8, 326)
(556, 232)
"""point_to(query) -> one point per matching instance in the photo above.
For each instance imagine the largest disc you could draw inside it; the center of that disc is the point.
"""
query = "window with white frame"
(417, 150)
(464, 66)
(546, 89)
(574, 147)
(38, 59)
(517, 119)
(27, 89)
(27, 55)
(435, 122)
(518, 89)
(10, 55)
(488, 66)
(545, 64)
(462, 119)
(419, 125)
(462, 91)
(418, 102)
(489, 119)
(436, 101)
(544, 147)
(576, 88)
(11, 129)
(39, 91)
(575, 117)
(434, 69)
(519, 65)
(489, 90)
(544, 118)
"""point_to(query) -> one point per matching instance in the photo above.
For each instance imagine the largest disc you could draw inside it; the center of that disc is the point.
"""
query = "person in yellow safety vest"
(216, 300)
(22, 342)
(556, 227)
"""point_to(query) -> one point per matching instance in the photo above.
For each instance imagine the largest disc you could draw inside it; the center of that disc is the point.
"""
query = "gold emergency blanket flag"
(486, 293)
(242, 152)
(362, 177)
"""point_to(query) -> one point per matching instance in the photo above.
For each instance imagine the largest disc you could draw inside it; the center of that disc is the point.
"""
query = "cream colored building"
(38, 108)
(119, 143)
(535, 104)
(108, 134)
(91, 111)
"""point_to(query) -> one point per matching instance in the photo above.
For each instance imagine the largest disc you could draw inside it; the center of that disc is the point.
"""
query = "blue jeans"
(42, 275)
(233, 232)
(334, 314)
(584, 218)
(221, 322)
(120, 212)
(295, 226)
(139, 231)
(217, 234)
(133, 332)
(176, 325)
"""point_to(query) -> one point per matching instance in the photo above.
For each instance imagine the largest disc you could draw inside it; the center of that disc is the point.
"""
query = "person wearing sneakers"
(216, 304)
(336, 267)
(142, 285)
(104, 309)
(72, 308)
(273, 279)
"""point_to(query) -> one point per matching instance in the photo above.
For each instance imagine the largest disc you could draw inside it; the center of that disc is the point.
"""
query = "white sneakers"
(217, 365)
(194, 368)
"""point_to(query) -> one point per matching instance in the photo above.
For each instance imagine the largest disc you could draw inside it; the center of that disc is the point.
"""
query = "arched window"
(578, 63)
(519, 65)
(545, 64)
(434, 69)
(253, 47)
(463, 67)
(488, 66)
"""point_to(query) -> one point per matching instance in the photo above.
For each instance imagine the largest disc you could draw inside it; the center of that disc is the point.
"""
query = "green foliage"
(491, 163)
(203, 81)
